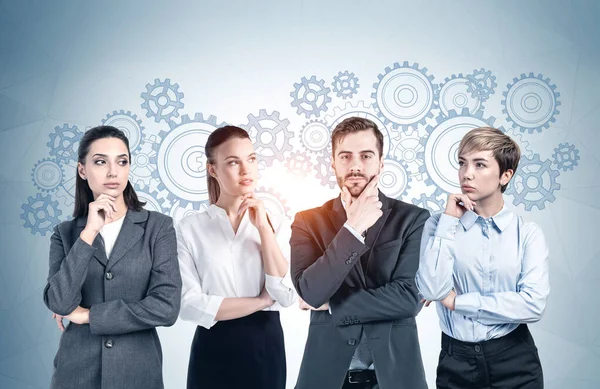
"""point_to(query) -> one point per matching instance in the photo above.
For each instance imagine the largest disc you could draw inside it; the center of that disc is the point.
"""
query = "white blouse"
(215, 264)
(109, 233)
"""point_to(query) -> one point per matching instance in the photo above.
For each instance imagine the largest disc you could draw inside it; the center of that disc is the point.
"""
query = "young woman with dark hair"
(113, 274)
(234, 261)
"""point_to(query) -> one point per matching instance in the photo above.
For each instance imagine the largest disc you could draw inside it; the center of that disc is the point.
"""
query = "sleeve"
(196, 306)
(67, 274)
(317, 275)
(281, 289)
(434, 278)
(398, 299)
(528, 303)
(161, 305)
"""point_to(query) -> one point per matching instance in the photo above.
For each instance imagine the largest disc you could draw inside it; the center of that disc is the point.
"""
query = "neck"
(489, 206)
(229, 203)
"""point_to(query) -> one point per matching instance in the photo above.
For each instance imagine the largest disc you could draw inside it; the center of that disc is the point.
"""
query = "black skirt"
(244, 353)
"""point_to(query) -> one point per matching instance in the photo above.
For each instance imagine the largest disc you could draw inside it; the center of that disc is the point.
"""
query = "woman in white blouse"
(234, 261)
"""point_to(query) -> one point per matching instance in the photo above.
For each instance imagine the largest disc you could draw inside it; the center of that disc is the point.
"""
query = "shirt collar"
(500, 220)
(214, 211)
(344, 203)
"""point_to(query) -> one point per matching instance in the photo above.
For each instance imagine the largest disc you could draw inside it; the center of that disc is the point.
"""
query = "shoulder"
(316, 211)
(193, 221)
(529, 230)
(408, 210)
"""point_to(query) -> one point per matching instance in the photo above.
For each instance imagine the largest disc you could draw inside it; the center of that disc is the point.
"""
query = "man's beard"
(355, 188)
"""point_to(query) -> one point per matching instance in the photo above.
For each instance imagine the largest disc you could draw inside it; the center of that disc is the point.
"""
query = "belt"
(361, 376)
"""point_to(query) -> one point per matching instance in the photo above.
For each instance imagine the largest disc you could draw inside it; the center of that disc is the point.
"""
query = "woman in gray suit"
(113, 274)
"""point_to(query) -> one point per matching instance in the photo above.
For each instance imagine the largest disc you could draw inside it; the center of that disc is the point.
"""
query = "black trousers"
(509, 362)
(243, 353)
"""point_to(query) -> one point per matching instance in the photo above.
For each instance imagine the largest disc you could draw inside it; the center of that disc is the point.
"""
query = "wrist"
(88, 235)
(356, 226)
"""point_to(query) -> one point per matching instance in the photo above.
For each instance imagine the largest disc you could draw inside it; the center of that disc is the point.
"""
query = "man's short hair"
(505, 150)
(356, 124)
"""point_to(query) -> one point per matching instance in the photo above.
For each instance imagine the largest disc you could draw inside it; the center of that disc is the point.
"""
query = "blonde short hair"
(505, 150)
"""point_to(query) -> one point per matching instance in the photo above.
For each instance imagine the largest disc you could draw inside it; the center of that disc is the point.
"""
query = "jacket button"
(108, 343)
(477, 348)
(109, 276)
(351, 342)
(356, 321)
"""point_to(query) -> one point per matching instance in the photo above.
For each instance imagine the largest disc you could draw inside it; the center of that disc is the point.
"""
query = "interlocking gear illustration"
(566, 156)
(518, 137)
(64, 142)
(310, 97)
(142, 168)
(40, 214)
(129, 124)
(531, 103)
(454, 95)
(324, 172)
(407, 147)
(66, 189)
(432, 203)
(441, 148)
(273, 202)
(298, 163)
(534, 183)
(481, 84)
(345, 85)
(155, 201)
(270, 135)
(315, 136)
(394, 180)
(364, 111)
(179, 211)
(181, 161)
(162, 100)
(47, 175)
(404, 95)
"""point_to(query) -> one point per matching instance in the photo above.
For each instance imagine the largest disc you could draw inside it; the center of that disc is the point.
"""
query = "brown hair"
(505, 150)
(355, 124)
(215, 139)
(83, 193)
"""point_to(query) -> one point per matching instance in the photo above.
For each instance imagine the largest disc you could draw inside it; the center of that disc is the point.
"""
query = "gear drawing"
(298, 163)
(454, 95)
(404, 95)
(179, 211)
(64, 142)
(273, 202)
(142, 167)
(531, 103)
(432, 203)
(481, 84)
(40, 214)
(315, 136)
(345, 85)
(310, 97)
(407, 147)
(394, 180)
(566, 156)
(129, 124)
(441, 148)
(534, 183)
(162, 100)
(47, 175)
(155, 201)
(180, 159)
(270, 135)
(324, 171)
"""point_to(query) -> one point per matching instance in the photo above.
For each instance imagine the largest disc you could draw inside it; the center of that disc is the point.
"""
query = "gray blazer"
(128, 296)
(381, 299)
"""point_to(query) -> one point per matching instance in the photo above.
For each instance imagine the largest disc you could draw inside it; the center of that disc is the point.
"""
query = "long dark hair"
(83, 193)
(217, 138)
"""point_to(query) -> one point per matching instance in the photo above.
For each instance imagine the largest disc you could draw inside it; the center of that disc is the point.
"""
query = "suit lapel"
(99, 253)
(373, 232)
(130, 234)
(337, 214)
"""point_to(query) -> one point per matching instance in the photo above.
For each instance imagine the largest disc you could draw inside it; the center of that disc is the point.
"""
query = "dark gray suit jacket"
(128, 296)
(383, 300)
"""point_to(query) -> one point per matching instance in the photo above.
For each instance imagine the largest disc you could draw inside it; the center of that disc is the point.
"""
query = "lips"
(112, 185)
(246, 182)
(467, 187)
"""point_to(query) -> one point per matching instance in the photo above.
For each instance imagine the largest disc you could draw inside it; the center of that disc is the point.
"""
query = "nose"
(112, 170)
(356, 165)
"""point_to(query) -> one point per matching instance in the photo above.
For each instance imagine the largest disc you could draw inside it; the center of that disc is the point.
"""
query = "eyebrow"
(236, 157)
(475, 159)
(106, 156)
(360, 152)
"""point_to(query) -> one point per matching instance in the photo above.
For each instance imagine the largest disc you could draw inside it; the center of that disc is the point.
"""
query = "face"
(106, 167)
(479, 175)
(356, 161)
(235, 167)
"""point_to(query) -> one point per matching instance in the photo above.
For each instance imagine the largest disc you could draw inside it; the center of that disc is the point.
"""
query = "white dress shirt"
(217, 263)
(109, 233)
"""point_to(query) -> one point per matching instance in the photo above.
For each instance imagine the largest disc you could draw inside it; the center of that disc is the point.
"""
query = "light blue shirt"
(497, 266)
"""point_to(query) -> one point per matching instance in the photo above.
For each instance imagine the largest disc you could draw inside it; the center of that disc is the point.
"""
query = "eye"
(252, 159)
(123, 162)
(461, 163)
(99, 162)
(479, 164)
(367, 156)
(343, 156)
(232, 163)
